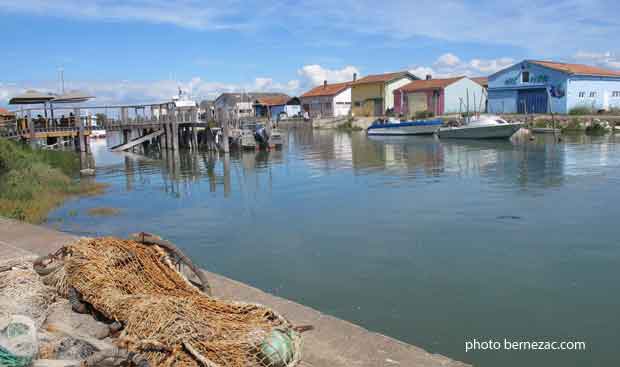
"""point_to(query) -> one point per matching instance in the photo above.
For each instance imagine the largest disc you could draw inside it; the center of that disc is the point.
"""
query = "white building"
(327, 100)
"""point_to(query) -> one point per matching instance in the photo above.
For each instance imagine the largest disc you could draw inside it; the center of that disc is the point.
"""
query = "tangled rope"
(165, 319)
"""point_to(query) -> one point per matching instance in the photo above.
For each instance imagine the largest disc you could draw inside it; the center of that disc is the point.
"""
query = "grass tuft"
(33, 182)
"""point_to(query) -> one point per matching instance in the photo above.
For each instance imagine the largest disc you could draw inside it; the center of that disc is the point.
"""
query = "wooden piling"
(81, 137)
(226, 134)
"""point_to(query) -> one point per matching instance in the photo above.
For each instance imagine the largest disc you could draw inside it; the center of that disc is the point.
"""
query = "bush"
(582, 110)
(32, 182)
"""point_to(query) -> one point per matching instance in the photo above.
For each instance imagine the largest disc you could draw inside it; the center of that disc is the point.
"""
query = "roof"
(384, 78)
(232, 98)
(327, 90)
(576, 69)
(273, 101)
(72, 97)
(5, 112)
(482, 80)
(418, 85)
(31, 97)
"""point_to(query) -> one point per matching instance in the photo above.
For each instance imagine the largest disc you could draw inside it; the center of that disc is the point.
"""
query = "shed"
(534, 86)
(373, 95)
(439, 96)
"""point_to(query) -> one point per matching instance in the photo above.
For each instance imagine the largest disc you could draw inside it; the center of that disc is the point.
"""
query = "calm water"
(431, 242)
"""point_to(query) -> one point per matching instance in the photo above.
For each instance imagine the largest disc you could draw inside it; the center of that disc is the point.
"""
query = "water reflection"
(532, 164)
(430, 241)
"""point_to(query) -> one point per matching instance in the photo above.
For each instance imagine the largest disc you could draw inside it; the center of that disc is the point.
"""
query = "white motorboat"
(484, 127)
(276, 138)
(396, 127)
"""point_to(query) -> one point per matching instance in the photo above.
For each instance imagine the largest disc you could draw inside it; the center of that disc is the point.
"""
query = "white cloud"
(603, 59)
(313, 75)
(123, 92)
(448, 60)
(537, 26)
(187, 13)
(561, 26)
(449, 65)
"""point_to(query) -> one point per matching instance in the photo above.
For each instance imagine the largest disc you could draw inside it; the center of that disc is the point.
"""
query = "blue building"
(543, 87)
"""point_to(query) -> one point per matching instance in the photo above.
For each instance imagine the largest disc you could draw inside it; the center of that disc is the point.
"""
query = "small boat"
(397, 127)
(247, 138)
(484, 127)
(276, 139)
(96, 133)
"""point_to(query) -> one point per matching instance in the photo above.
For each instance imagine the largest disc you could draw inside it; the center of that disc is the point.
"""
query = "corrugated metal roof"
(383, 78)
(327, 90)
(576, 69)
(418, 85)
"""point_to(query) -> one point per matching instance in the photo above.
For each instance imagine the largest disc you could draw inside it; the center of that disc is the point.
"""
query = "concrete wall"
(604, 89)
(328, 106)
(388, 96)
(342, 103)
(511, 79)
(361, 96)
(460, 89)
(502, 101)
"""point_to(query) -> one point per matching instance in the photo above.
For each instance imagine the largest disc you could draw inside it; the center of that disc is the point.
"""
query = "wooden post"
(175, 131)
(225, 146)
(80, 127)
(31, 127)
(195, 137)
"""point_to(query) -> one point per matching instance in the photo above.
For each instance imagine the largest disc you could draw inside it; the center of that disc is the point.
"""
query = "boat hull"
(407, 128)
(503, 131)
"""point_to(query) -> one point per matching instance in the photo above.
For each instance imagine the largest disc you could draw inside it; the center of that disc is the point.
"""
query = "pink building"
(440, 96)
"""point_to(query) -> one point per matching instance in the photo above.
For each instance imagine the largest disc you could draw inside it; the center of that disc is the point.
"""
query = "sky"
(142, 51)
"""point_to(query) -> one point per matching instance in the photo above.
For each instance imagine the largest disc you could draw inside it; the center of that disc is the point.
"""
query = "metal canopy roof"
(72, 97)
(32, 97)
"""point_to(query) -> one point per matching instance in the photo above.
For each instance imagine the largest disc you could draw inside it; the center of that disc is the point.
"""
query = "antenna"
(61, 71)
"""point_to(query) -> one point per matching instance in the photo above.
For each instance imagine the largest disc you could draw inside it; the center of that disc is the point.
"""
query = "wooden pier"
(167, 126)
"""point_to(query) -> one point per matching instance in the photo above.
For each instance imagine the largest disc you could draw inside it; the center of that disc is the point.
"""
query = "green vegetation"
(573, 125)
(596, 129)
(579, 111)
(32, 181)
(103, 212)
(348, 126)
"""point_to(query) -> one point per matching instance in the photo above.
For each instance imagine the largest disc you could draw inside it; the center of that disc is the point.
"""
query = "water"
(431, 242)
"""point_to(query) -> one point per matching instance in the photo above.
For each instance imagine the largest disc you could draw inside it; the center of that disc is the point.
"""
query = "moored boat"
(484, 127)
(396, 127)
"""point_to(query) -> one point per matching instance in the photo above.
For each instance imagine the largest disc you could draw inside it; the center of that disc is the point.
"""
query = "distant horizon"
(143, 51)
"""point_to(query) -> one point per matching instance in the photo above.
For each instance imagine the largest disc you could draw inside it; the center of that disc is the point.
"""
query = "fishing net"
(166, 319)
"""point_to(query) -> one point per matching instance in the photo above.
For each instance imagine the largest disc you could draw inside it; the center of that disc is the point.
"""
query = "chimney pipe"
(324, 83)
(354, 76)
(429, 77)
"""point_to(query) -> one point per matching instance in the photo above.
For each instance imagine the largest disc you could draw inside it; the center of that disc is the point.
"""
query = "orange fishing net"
(168, 320)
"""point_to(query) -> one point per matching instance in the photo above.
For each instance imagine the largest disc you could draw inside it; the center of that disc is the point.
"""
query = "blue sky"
(141, 50)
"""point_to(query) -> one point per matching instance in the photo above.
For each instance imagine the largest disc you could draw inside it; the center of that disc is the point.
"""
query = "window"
(592, 94)
(525, 77)
(616, 94)
(358, 104)
(582, 94)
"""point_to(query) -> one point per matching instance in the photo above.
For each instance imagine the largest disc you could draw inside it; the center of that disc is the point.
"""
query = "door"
(416, 102)
(378, 107)
(532, 101)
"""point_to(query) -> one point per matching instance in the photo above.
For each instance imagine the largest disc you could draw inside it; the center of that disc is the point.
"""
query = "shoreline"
(333, 342)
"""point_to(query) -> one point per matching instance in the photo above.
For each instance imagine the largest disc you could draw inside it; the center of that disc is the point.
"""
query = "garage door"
(416, 102)
(532, 101)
